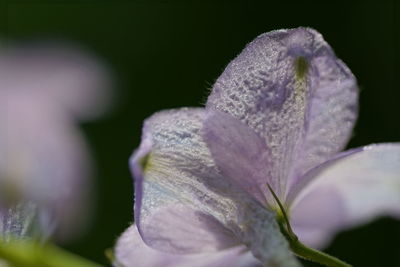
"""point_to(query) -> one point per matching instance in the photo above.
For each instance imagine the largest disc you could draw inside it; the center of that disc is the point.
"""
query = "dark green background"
(167, 54)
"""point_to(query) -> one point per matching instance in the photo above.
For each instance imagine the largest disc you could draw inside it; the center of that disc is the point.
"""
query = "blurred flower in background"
(45, 164)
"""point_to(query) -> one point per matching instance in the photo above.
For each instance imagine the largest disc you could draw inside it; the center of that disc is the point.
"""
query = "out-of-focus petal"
(239, 153)
(43, 160)
(176, 179)
(349, 190)
(131, 251)
(68, 77)
(289, 87)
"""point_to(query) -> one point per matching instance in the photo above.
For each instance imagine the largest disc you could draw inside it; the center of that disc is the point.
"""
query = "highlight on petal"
(131, 251)
(183, 203)
(349, 190)
(290, 88)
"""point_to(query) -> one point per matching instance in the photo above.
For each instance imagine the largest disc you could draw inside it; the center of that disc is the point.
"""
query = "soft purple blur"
(45, 90)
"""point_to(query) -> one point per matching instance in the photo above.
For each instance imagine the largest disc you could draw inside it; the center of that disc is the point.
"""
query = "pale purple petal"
(317, 216)
(181, 229)
(289, 87)
(70, 78)
(169, 168)
(239, 152)
(131, 251)
(177, 183)
(347, 191)
(44, 160)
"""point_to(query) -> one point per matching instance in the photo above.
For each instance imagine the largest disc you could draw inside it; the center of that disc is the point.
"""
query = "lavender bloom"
(44, 161)
(280, 114)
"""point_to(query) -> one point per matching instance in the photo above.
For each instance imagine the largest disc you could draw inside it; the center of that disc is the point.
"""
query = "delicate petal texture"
(348, 191)
(289, 87)
(172, 176)
(131, 251)
(176, 179)
(61, 73)
(239, 152)
(20, 221)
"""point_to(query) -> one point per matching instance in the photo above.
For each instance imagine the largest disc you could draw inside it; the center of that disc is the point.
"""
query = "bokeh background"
(166, 54)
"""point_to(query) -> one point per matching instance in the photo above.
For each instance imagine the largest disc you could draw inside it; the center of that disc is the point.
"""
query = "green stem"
(31, 254)
(299, 248)
(315, 255)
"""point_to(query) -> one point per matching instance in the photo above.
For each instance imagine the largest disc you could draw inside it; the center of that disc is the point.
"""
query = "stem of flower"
(26, 253)
(315, 255)
(299, 248)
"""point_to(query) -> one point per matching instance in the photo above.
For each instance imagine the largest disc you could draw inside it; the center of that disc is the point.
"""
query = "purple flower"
(44, 160)
(279, 115)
